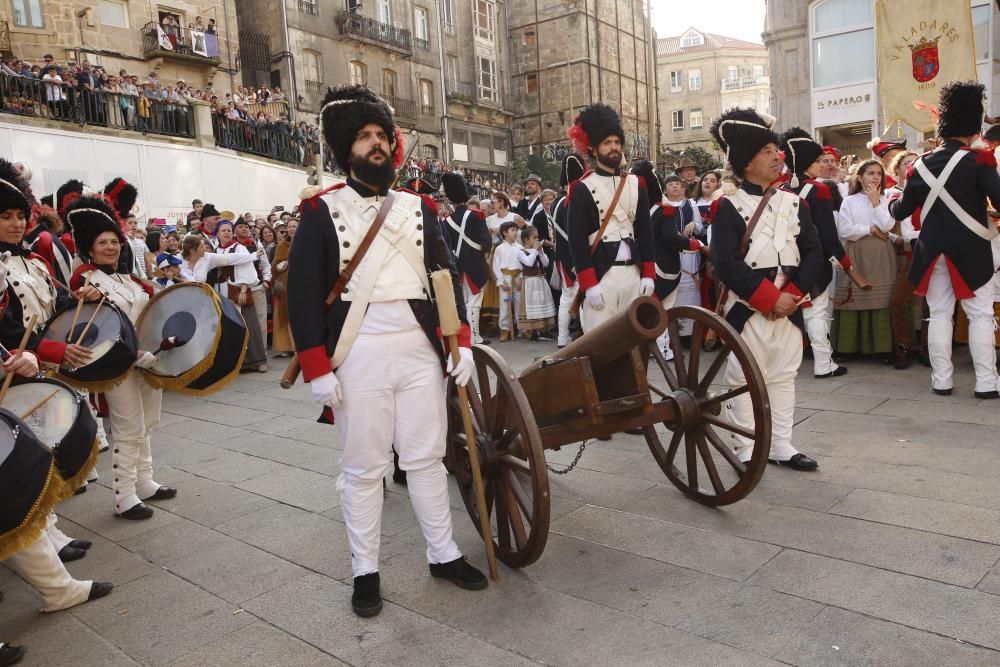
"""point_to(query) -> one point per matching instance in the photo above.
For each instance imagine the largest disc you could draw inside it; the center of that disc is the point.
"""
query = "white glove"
(145, 360)
(326, 390)
(646, 286)
(690, 229)
(463, 372)
(595, 297)
(3, 270)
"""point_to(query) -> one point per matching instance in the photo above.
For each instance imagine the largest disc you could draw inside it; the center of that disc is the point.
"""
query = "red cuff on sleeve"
(51, 351)
(587, 278)
(764, 297)
(465, 336)
(845, 262)
(649, 270)
(694, 245)
(315, 362)
(793, 289)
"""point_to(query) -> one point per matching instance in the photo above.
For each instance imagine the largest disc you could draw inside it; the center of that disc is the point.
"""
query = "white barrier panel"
(168, 176)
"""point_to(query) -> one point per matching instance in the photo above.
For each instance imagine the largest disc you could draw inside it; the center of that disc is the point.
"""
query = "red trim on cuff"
(587, 278)
(565, 274)
(845, 262)
(465, 336)
(51, 351)
(792, 288)
(649, 270)
(764, 297)
(315, 362)
(694, 245)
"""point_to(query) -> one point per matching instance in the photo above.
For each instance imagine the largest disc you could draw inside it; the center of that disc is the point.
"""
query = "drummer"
(133, 405)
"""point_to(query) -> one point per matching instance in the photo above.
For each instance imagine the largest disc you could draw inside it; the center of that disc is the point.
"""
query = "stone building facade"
(566, 54)
(701, 75)
(824, 70)
(123, 35)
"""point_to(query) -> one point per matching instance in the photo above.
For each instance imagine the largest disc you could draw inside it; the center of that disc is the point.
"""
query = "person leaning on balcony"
(54, 97)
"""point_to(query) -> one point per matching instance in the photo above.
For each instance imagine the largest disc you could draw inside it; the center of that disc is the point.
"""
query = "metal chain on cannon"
(576, 459)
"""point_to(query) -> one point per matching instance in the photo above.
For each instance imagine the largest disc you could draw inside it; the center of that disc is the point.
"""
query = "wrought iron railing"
(422, 43)
(279, 141)
(160, 41)
(744, 82)
(362, 26)
(103, 108)
(309, 7)
(405, 109)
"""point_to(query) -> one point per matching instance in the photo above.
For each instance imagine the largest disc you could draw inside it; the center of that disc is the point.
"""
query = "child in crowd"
(507, 272)
(169, 268)
(537, 309)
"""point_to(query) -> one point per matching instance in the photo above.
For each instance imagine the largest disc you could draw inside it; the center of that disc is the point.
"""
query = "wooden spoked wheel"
(699, 457)
(511, 459)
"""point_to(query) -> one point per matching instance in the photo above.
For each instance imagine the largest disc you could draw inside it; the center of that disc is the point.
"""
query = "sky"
(743, 19)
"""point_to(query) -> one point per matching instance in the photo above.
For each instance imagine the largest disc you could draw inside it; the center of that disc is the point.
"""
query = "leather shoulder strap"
(608, 214)
(759, 211)
(366, 242)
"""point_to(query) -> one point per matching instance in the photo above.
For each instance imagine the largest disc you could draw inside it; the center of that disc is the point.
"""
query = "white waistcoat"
(397, 277)
(773, 242)
(602, 189)
(121, 291)
(30, 280)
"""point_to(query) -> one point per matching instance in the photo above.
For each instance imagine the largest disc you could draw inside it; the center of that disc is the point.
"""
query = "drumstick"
(20, 350)
(169, 343)
(38, 405)
(83, 333)
(79, 307)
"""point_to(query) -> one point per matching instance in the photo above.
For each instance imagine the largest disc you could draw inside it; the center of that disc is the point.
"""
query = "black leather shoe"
(10, 654)
(82, 489)
(835, 373)
(163, 493)
(603, 438)
(638, 430)
(797, 462)
(136, 513)
(99, 589)
(367, 598)
(987, 395)
(460, 573)
(69, 553)
(941, 392)
(398, 475)
(81, 544)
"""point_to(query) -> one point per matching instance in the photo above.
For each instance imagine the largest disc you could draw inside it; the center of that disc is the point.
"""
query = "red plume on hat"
(122, 196)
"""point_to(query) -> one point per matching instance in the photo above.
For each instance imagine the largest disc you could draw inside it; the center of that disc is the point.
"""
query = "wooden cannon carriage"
(599, 385)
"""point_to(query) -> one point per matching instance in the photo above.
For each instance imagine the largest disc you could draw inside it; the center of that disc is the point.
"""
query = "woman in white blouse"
(199, 260)
(862, 323)
(240, 279)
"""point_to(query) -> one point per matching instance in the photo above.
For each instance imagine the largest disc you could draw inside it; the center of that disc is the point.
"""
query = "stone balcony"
(367, 30)
(744, 82)
(179, 44)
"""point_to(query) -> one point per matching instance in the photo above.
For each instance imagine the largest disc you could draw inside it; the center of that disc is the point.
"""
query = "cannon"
(611, 380)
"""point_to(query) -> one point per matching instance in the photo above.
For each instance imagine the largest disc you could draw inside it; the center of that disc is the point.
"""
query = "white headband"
(738, 122)
(15, 189)
(353, 101)
(98, 212)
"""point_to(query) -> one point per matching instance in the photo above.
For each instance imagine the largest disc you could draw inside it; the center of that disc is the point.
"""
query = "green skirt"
(864, 331)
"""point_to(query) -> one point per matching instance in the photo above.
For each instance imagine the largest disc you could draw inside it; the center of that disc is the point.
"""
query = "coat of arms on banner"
(925, 59)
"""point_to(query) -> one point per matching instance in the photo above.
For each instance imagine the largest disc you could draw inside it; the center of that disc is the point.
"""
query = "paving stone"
(229, 415)
(47, 645)
(310, 540)
(288, 452)
(206, 501)
(317, 610)
(991, 582)
(105, 560)
(598, 488)
(221, 565)
(841, 637)
(872, 426)
(173, 450)
(968, 615)
(834, 402)
(257, 645)
(714, 553)
(19, 609)
(904, 389)
(226, 466)
(940, 557)
(275, 405)
(302, 488)
(971, 523)
(160, 617)
(94, 510)
(203, 431)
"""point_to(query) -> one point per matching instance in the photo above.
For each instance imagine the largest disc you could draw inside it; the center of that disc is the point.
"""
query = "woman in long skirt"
(281, 337)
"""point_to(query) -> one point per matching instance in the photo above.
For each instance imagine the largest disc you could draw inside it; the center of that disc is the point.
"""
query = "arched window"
(389, 83)
(357, 73)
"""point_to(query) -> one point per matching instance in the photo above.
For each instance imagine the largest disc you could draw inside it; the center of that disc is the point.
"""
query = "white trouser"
(473, 305)
(688, 289)
(134, 410)
(817, 320)
(566, 298)
(619, 287)
(510, 301)
(979, 311)
(777, 347)
(58, 538)
(394, 396)
(260, 305)
(39, 565)
(663, 342)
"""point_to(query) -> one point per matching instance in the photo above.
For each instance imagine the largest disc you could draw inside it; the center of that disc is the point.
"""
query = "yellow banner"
(922, 45)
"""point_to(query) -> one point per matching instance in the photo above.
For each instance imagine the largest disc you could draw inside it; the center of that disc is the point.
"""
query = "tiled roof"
(669, 46)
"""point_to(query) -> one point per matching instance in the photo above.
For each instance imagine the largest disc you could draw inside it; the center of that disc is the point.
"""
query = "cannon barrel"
(643, 321)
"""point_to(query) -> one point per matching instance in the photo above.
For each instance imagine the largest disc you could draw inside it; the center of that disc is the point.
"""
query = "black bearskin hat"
(122, 195)
(455, 188)
(572, 169)
(422, 185)
(960, 109)
(66, 193)
(91, 216)
(742, 133)
(800, 151)
(345, 110)
(593, 125)
(14, 192)
(48, 200)
(647, 171)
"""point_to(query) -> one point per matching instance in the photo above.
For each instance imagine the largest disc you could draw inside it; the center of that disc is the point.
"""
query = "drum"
(108, 333)
(29, 485)
(60, 418)
(198, 337)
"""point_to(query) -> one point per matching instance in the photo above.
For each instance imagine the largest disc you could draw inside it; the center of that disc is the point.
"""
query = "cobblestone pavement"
(888, 555)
